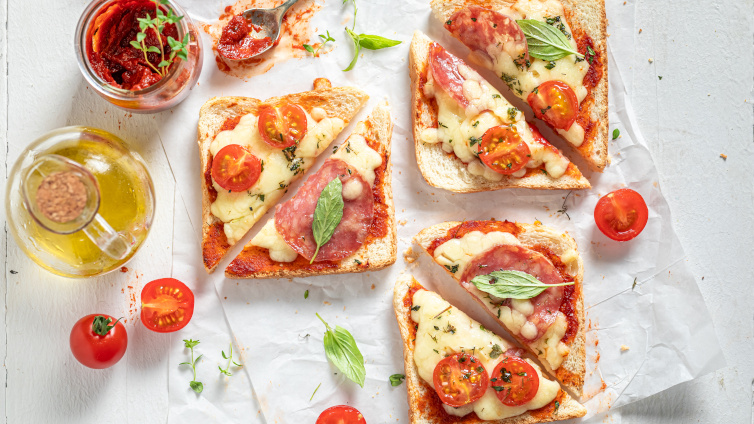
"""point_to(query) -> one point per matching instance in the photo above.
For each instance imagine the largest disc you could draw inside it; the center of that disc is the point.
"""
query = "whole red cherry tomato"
(98, 341)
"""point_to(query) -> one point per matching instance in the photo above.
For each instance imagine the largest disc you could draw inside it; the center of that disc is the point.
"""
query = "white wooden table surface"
(702, 107)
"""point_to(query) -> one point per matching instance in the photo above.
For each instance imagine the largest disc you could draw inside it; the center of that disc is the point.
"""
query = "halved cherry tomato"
(234, 168)
(460, 379)
(503, 150)
(556, 103)
(621, 215)
(166, 305)
(515, 381)
(282, 126)
(98, 341)
(341, 414)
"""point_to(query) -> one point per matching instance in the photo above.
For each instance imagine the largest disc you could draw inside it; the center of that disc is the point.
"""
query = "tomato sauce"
(215, 245)
(109, 49)
(237, 41)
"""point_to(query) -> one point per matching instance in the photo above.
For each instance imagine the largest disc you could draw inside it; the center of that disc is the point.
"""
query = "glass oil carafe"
(79, 202)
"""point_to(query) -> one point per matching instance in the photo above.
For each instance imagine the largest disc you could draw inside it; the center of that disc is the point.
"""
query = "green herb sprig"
(325, 39)
(226, 370)
(342, 351)
(157, 25)
(327, 214)
(512, 284)
(366, 41)
(196, 386)
(101, 325)
(545, 41)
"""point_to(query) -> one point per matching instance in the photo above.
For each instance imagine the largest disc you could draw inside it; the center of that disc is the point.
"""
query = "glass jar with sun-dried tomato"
(140, 55)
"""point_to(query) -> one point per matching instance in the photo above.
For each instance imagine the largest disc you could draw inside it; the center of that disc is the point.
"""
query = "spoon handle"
(287, 5)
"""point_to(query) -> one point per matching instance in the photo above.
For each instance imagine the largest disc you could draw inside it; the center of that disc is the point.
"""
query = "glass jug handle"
(107, 239)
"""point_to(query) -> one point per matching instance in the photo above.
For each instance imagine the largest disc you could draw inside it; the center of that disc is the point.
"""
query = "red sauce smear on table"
(237, 41)
(109, 48)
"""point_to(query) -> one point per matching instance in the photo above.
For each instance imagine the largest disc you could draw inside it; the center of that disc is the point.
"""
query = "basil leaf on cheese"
(545, 41)
(327, 214)
(512, 284)
(341, 350)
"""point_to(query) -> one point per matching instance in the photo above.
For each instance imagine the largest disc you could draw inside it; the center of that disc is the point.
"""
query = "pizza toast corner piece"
(565, 357)
(586, 25)
(377, 249)
(444, 169)
(225, 113)
(425, 405)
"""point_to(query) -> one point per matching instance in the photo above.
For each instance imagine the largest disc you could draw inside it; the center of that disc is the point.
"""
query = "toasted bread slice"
(447, 171)
(221, 113)
(588, 24)
(425, 406)
(380, 247)
(560, 247)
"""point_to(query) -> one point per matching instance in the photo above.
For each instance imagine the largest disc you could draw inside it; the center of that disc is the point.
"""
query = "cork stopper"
(61, 197)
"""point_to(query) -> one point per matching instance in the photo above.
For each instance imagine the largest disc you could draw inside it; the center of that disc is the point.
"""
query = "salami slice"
(444, 67)
(518, 258)
(488, 32)
(293, 219)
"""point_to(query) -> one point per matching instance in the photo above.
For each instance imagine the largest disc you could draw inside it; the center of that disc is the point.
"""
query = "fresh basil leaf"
(375, 42)
(616, 133)
(197, 386)
(396, 379)
(545, 41)
(356, 47)
(328, 213)
(341, 350)
(512, 284)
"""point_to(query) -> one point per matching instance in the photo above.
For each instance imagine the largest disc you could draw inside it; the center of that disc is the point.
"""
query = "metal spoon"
(269, 22)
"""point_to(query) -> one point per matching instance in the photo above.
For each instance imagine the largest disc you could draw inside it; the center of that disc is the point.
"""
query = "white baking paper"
(642, 339)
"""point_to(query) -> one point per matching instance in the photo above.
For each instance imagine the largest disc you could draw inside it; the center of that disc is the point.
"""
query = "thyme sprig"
(157, 25)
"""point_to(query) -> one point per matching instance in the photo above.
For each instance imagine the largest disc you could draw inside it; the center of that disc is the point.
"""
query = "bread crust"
(588, 21)
(571, 372)
(373, 255)
(341, 102)
(419, 393)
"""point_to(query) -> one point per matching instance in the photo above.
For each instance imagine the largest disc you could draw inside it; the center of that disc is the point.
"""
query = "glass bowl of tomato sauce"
(144, 56)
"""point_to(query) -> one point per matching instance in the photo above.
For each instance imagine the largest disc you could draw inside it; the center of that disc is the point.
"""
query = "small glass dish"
(169, 91)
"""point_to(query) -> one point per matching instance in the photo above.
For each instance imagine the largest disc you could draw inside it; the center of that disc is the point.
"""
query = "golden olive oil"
(125, 204)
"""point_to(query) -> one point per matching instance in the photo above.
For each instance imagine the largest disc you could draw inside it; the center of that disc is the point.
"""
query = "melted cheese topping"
(455, 255)
(240, 210)
(432, 345)
(460, 130)
(522, 82)
(356, 153)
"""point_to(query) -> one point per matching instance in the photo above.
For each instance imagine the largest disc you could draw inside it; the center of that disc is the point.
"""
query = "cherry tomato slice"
(282, 126)
(94, 344)
(503, 150)
(515, 381)
(444, 67)
(621, 215)
(234, 168)
(166, 305)
(460, 379)
(480, 29)
(556, 103)
(341, 414)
